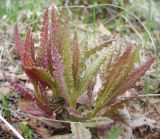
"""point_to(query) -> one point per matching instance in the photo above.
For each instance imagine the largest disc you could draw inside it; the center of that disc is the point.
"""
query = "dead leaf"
(67, 136)
(102, 29)
(79, 131)
(29, 107)
(135, 120)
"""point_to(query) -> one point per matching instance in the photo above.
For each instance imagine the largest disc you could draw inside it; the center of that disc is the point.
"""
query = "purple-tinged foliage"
(74, 112)
(58, 69)
(25, 92)
(35, 111)
(43, 92)
(41, 59)
(44, 107)
(18, 42)
(59, 78)
(29, 44)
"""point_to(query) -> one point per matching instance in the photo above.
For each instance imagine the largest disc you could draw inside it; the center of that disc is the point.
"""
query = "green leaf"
(98, 122)
(147, 86)
(67, 58)
(89, 74)
(115, 133)
(79, 131)
(98, 48)
(26, 130)
(6, 110)
(76, 60)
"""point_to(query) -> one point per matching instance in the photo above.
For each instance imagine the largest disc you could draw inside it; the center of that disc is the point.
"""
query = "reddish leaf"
(74, 112)
(58, 69)
(41, 59)
(56, 30)
(27, 61)
(44, 107)
(117, 66)
(19, 44)
(29, 44)
(27, 94)
(135, 75)
(30, 107)
(53, 116)
(35, 112)
(37, 74)
(43, 92)
(131, 79)
(49, 59)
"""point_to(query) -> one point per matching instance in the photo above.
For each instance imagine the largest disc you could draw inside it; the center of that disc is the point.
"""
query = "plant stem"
(94, 20)
(18, 135)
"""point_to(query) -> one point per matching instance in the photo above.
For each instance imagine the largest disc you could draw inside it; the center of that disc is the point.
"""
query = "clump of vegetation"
(59, 67)
(26, 130)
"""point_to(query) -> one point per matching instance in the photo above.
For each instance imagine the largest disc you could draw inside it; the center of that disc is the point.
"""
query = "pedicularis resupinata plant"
(60, 76)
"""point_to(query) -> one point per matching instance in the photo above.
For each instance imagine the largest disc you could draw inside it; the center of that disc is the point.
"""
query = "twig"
(141, 96)
(149, 95)
(11, 127)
